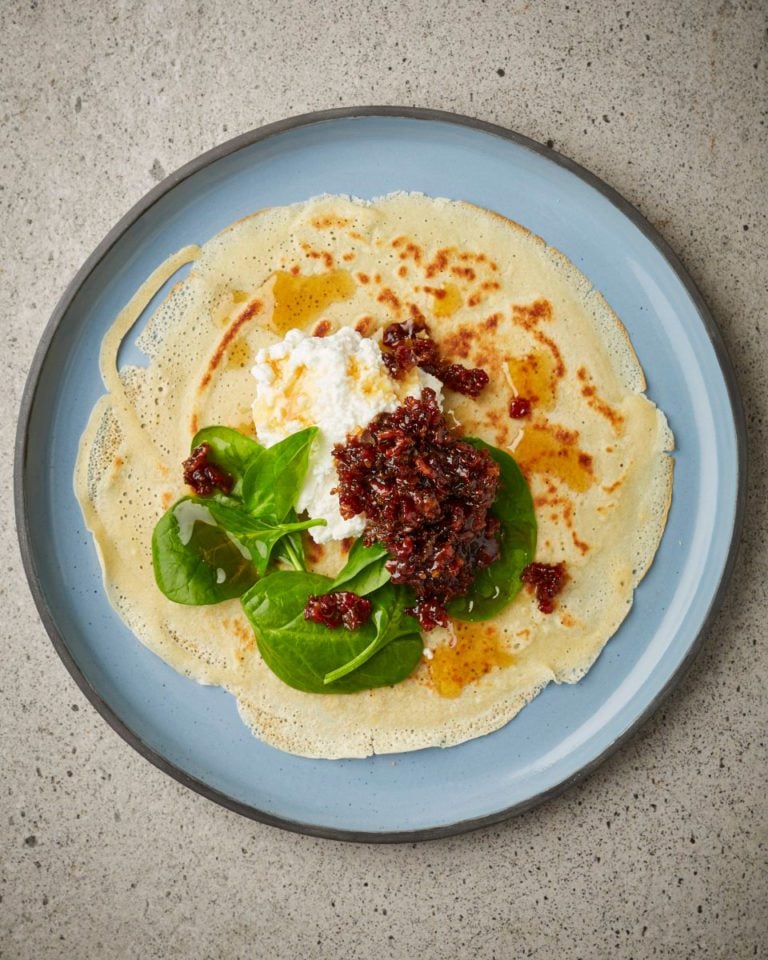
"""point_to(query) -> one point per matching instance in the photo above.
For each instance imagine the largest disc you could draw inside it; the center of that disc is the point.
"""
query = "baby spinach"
(290, 550)
(364, 570)
(495, 586)
(303, 654)
(257, 535)
(208, 550)
(195, 561)
(273, 481)
(390, 622)
(230, 450)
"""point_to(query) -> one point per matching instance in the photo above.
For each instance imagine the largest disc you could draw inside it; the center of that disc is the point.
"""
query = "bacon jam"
(520, 408)
(547, 580)
(203, 475)
(426, 496)
(405, 349)
(340, 608)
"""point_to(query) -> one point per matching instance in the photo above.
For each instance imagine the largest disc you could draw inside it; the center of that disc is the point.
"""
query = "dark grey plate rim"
(123, 225)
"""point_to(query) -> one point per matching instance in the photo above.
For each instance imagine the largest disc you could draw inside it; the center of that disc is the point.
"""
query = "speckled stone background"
(662, 852)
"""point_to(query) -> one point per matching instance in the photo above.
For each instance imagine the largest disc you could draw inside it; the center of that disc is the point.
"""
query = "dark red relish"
(426, 497)
(547, 579)
(405, 349)
(520, 408)
(340, 608)
(203, 475)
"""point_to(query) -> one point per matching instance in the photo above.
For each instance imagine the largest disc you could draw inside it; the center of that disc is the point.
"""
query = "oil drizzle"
(300, 299)
(534, 377)
(447, 299)
(547, 448)
(476, 652)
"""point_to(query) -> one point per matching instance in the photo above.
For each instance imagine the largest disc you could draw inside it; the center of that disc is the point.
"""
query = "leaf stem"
(353, 664)
(293, 554)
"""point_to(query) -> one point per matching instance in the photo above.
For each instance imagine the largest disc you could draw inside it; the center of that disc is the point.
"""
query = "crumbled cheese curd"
(338, 384)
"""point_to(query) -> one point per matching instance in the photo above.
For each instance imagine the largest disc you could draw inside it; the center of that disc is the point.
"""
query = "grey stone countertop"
(662, 851)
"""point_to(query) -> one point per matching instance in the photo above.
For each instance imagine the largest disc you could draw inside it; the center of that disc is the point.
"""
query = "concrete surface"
(662, 852)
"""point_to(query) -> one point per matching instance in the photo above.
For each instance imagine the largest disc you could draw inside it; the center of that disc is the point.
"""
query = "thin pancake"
(595, 449)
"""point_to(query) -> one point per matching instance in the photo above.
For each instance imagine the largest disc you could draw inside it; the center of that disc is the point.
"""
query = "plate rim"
(114, 235)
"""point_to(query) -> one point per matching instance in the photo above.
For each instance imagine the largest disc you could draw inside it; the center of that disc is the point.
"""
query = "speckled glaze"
(193, 732)
(660, 853)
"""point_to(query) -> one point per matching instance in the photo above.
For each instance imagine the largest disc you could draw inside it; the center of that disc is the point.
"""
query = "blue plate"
(194, 732)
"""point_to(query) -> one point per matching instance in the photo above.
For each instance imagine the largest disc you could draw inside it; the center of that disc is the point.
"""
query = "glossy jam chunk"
(547, 580)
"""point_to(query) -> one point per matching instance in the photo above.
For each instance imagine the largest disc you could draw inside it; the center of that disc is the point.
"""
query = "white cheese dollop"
(337, 384)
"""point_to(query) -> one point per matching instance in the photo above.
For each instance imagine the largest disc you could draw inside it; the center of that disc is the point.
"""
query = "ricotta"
(337, 384)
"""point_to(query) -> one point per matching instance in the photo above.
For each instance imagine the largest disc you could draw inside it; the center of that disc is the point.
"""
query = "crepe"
(595, 449)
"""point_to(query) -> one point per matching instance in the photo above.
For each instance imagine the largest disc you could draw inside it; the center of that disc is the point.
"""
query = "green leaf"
(290, 550)
(258, 536)
(195, 561)
(364, 570)
(273, 481)
(302, 653)
(497, 585)
(390, 621)
(230, 450)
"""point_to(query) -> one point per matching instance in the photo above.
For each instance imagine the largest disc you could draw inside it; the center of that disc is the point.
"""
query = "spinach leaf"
(390, 622)
(495, 586)
(364, 570)
(230, 450)
(258, 536)
(195, 561)
(290, 550)
(273, 481)
(302, 653)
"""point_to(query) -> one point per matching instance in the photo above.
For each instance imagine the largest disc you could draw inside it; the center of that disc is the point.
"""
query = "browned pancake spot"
(322, 328)
(460, 342)
(364, 325)
(325, 255)
(438, 263)
(314, 552)
(530, 315)
(329, 220)
(464, 273)
(408, 249)
(389, 298)
(589, 392)
(253, 308)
